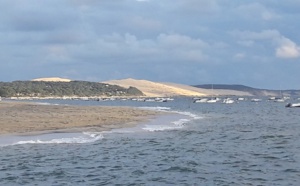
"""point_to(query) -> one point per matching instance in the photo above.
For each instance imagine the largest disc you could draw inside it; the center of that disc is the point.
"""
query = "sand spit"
(19, 117)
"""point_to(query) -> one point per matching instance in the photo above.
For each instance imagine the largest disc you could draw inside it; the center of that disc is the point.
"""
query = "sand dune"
(155, 89)
(214, 92)
(52, 79)
(163, 89)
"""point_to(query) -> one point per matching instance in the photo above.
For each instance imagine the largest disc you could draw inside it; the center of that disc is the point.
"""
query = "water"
(206, 144)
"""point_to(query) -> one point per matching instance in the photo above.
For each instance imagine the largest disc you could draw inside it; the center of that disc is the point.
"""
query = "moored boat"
(292, 105)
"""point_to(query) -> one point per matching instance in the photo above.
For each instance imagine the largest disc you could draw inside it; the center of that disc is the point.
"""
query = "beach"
(27, 118)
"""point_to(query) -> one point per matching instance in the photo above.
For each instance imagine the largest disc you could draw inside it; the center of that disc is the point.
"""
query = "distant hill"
(250, 90)
(59, 89)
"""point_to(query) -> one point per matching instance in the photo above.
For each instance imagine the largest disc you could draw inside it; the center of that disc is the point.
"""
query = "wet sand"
(28, 118)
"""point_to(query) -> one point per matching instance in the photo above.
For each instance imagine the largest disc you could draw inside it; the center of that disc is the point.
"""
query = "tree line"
(59, 89)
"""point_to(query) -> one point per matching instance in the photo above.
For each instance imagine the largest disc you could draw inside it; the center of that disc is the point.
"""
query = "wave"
(160, 128)
(175, 121)
(193, 116)
(169, 123)
(156, 108)
(168, 109)
(46, 103)
(54, 138)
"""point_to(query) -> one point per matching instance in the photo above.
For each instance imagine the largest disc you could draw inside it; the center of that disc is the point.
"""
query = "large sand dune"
(158, 89)
(155, 89)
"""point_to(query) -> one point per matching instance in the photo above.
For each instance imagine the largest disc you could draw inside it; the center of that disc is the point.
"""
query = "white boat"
(279, 100)
(272, 98)
(255, 100)
(212, 100)
(203, 100)
(228, 101)
(292, 105)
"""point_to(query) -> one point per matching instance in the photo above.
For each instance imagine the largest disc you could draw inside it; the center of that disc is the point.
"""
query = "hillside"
(59, 89)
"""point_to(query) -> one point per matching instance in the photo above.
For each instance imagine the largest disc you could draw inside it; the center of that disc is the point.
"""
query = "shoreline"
(22, 118)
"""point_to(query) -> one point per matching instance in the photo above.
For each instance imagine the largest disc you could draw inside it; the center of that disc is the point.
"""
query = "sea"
(244, 143)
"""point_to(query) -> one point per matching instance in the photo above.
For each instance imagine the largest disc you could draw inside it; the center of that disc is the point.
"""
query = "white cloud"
(284, 47)
(239, 55)
(288, 49)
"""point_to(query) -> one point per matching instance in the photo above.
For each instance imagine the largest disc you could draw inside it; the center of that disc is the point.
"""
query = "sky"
(250, 42)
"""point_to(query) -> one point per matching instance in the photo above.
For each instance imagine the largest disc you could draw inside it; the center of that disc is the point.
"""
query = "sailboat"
(215, 99)
(281, 99)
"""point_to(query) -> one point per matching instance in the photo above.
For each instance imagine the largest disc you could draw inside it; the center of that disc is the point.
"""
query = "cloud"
(239, 56)
(288, 49)
(284, 47)
(165, 48)
(145, 24)
(257, 10)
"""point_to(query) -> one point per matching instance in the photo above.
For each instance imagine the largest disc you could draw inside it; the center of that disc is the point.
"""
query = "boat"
(202, 100)
(256, 100)
(212, 101)
(279, 100)
(272, 98)
(228, 101)
(292, 105)
(215, 99)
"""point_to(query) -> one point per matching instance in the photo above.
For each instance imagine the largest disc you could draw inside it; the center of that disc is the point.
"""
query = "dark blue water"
(243, 143)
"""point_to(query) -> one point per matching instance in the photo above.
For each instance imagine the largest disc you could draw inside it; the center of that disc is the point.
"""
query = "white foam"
(171, 122)
(181, 122)
(168, 109)
(155, 128)
(156, 108)
(54, 138)
(46, 103)
(194, 116)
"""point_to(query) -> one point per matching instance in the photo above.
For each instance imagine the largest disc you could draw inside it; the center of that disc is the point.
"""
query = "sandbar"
(26, 118)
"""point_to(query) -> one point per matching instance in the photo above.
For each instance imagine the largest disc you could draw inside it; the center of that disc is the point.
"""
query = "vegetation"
(59, 89)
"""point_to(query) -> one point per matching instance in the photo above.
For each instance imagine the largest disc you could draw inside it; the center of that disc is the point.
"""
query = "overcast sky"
(250, 42)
